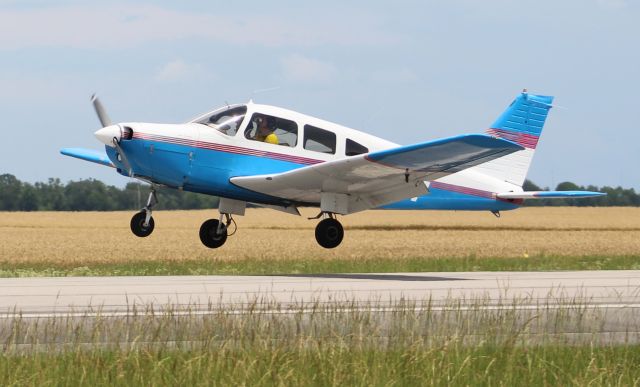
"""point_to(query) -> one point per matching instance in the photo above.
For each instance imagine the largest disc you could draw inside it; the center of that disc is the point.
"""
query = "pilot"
(264, 132)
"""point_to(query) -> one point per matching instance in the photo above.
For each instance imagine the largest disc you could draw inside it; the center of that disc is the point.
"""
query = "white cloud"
(302, 69)
(179, 70)
(109, 27)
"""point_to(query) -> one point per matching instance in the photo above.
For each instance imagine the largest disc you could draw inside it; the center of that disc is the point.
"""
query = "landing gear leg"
(213, 232)
(329, 232)
(142, 223)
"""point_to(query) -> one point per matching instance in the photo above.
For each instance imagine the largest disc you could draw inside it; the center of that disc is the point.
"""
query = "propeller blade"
(123, 158)
(102, 114)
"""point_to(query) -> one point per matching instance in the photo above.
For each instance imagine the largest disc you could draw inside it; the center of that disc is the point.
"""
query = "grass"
(51, 243)
(409, 344)
(309, 266)
(326, 366)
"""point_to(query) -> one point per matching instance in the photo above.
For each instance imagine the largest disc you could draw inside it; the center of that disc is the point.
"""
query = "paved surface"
(118, 295)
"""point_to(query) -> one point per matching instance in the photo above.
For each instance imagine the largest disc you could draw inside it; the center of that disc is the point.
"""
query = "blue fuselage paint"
(208, 172)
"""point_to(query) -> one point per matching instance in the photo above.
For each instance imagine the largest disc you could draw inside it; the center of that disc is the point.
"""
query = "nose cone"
(108, 133)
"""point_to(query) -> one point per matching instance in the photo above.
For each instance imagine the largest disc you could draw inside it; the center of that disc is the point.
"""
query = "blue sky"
(407, 71)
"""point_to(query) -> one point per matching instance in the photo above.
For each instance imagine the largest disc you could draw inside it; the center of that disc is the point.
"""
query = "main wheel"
(137, 225)
(329, 233)
(209, 235)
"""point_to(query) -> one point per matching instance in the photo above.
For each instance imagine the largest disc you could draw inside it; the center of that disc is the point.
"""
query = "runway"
(42, 297)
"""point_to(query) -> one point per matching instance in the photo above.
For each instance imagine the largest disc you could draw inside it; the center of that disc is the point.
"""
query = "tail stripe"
(524, 139)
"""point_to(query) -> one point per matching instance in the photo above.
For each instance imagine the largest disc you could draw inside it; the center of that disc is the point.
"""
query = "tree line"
(94, 195)
(91, 195)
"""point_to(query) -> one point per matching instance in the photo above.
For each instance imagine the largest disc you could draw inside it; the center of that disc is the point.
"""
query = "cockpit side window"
(353, 148)
(272, 130)
(227, 121)
(319, 140)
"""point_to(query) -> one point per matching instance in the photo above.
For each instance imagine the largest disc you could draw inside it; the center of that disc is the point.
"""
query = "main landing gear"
(214, 232)
(142, 223)
(329, 231)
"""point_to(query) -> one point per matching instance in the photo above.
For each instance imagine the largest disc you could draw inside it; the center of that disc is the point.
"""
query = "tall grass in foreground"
(331, 365)
(346, 344)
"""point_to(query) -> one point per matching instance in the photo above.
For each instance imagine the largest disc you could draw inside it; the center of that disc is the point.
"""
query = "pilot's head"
(264, 125)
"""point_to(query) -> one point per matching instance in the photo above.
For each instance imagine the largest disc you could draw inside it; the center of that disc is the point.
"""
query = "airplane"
(254, 154)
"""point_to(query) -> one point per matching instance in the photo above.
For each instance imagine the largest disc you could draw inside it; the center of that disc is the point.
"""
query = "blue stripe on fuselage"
(440, 199)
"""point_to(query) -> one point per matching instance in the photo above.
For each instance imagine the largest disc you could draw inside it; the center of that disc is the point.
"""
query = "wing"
(378, 178)
(88, 155)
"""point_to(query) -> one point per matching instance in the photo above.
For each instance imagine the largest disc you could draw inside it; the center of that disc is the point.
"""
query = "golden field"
(99, 237)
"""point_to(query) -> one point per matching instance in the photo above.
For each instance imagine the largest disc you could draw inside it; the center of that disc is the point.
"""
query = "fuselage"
(204, 154)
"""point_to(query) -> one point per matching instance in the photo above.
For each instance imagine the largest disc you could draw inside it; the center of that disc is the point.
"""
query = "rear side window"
(353, 148)
(319, 140)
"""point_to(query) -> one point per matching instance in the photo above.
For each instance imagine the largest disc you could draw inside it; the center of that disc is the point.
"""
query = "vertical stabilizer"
(521, 123)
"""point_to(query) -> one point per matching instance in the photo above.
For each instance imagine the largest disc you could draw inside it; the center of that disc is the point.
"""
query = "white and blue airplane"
(281, 159)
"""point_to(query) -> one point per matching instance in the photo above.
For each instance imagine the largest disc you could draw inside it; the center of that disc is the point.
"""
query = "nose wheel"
(329, 233)
(142, 223)
(140, 226)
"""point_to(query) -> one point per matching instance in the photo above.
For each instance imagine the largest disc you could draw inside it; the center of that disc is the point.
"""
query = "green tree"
(29, 198)
(10, 191)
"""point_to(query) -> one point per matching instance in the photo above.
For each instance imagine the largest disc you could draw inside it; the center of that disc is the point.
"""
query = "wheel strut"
(142, 223)
(151, 202)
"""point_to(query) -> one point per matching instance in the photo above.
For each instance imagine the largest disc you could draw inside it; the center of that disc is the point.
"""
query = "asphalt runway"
(42, 297)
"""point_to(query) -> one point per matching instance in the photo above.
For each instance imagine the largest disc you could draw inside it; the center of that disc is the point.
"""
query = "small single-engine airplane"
(281, 159)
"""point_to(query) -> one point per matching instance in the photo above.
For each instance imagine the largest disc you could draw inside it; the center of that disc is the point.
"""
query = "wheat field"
(78, 238)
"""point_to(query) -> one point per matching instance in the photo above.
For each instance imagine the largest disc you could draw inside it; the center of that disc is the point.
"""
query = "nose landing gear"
(142, 223)
(329, 232)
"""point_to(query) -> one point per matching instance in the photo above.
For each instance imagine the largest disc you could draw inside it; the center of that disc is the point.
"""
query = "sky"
(407, 71)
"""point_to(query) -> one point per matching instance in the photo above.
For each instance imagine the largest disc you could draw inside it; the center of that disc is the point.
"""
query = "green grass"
(307, 266)
(327, 365)
(322, 346)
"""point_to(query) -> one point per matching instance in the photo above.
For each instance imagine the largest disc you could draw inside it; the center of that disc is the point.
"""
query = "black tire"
(209, 234)
(329, 233)
(137, 225)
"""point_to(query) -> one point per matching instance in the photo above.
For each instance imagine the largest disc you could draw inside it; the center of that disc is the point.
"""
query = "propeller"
(110, 134)
(102, 114)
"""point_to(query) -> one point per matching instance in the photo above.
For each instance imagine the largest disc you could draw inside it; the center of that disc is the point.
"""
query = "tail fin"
(521, 123)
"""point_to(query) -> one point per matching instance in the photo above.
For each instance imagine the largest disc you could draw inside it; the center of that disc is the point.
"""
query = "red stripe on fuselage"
(471, 191)
(463, 190)
(226, 148)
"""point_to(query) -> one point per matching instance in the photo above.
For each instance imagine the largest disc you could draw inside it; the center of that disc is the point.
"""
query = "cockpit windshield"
(226, 120)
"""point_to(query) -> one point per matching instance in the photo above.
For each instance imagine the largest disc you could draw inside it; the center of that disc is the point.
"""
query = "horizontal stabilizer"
(88, 155)
(549, 195)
